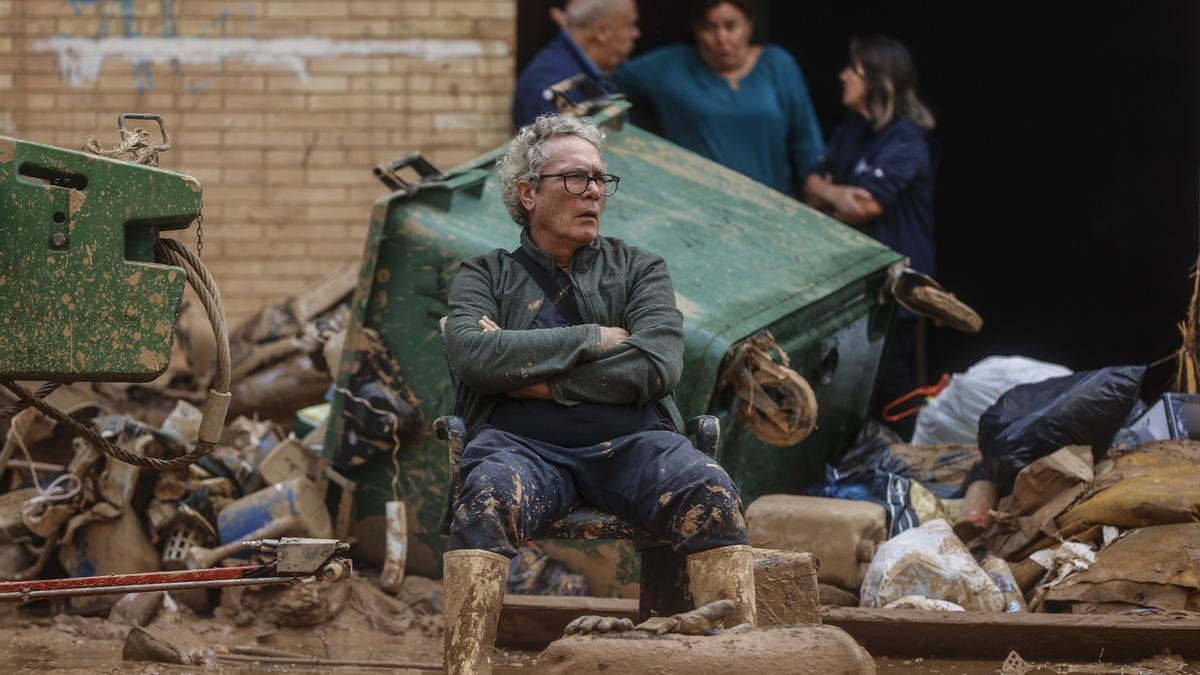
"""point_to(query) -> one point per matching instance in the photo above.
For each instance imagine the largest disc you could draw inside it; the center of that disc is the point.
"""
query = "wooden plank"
(537, 620)
(987, 635)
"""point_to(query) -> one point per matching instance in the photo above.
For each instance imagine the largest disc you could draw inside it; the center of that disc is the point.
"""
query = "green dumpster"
(742, 256)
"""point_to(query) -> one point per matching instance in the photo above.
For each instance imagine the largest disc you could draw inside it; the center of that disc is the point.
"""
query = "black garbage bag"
(869, 449)
(872, 485)
(1033, 420)
(940, 468)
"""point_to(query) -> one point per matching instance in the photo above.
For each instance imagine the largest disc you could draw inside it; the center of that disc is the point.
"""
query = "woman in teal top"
(745, 106)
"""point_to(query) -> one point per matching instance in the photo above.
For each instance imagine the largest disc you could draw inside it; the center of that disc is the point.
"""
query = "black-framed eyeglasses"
(577, 182)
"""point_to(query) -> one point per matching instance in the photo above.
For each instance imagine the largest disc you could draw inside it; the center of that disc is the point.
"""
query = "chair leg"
(664, 588)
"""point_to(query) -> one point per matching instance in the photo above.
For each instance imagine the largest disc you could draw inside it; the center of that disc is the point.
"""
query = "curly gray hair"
(526, 155)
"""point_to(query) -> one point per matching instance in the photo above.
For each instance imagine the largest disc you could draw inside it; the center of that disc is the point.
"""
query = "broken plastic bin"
(743, 258)
(297, 498)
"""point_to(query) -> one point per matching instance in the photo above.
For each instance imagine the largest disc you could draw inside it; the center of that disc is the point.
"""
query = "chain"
(200, 229)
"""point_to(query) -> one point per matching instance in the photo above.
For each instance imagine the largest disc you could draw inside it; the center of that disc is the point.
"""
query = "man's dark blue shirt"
(560, 59)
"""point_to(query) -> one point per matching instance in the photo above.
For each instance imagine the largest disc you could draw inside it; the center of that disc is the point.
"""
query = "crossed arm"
(609, 338)
(850, 204)
(637, 362)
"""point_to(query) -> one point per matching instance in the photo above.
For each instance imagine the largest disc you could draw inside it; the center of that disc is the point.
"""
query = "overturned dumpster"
(759, 278)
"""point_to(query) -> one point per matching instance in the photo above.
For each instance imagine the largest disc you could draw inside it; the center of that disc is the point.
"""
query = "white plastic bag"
(953, 415)
(931, 562)
(917, 602)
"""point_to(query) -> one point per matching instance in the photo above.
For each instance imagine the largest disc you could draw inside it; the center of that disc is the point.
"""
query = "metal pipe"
(27, 594)
(130, 579)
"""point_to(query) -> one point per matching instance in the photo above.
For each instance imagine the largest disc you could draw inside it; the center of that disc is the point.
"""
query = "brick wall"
(279, 107)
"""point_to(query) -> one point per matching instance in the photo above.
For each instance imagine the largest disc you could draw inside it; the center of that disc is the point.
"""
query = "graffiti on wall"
(229, 35)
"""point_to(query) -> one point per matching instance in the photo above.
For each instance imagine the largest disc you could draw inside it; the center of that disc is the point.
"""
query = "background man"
(598, 36)
(569, 350)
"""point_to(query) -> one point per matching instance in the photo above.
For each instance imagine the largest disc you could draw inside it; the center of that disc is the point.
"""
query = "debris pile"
(1077, 498)
(67, 510)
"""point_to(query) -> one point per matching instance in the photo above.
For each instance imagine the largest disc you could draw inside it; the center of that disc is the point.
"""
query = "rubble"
(1122, 576)
(1112, 537)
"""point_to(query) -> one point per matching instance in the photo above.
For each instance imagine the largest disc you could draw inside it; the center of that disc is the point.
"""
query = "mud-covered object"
(533, 572)
(842, 533)
(778, 405)
(1033, 420)
(1157, 484)
(298, 605)
(785, 588)
(929, 561)
(1156, 567)
(1042, 491)
(940, 468)
(380, 409)
(809, 649)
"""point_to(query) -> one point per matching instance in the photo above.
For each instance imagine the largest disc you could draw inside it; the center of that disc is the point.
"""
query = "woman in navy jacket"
(877, 175)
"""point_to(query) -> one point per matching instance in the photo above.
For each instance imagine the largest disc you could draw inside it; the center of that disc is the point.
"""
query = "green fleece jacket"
(615, 285)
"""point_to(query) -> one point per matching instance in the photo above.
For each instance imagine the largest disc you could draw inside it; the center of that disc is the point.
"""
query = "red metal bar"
(214, 574)
(28, 595)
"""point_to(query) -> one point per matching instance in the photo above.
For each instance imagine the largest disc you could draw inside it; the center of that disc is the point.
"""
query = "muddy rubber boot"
(725, 573)
(473, 590)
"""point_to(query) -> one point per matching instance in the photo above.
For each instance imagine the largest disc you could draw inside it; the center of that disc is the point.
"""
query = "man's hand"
(611, 337)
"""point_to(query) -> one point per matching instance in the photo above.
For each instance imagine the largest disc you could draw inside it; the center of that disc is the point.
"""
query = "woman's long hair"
(891, 80)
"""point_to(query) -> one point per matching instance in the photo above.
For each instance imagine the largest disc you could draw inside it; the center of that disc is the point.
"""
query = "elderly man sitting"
(569, 349)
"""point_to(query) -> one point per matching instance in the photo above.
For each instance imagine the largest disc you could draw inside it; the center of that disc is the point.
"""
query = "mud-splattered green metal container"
(742, 256)
(81, 296)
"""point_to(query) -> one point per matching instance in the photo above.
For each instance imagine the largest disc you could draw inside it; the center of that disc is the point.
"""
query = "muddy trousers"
(514, 488)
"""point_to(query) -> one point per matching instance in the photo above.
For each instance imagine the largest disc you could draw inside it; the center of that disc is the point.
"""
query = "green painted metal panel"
(81, 297)
(742, 256)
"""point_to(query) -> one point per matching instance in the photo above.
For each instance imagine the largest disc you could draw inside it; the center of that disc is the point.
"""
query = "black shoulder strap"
(562, 298)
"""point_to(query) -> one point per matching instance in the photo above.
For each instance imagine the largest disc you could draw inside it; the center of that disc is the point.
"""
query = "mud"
(798, 649)
(371, 627)
(32, 641)
(297, 605)
(474, 583)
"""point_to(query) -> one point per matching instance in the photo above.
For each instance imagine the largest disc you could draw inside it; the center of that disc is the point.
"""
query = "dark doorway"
(1067, 200)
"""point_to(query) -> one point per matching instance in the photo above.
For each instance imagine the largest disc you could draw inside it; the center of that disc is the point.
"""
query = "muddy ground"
(369, 626)
(40, 642)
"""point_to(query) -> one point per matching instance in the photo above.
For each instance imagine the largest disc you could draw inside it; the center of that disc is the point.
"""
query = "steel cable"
(206, 289)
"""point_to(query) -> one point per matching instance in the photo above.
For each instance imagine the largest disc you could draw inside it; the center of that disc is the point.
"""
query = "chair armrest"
(451, 430)
(705, 432)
